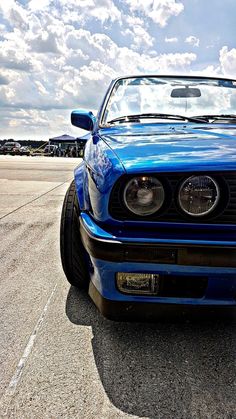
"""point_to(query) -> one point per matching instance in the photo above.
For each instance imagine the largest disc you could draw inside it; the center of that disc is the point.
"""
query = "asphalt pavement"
(59, 358)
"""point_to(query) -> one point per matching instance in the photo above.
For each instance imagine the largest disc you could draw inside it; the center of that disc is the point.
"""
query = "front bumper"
(109, 254)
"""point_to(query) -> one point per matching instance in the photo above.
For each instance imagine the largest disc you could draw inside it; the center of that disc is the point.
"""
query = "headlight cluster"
(197, 195)
(144, 195)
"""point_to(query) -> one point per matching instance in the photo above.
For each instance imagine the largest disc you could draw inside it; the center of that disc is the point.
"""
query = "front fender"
(81, 184)
(103, 168)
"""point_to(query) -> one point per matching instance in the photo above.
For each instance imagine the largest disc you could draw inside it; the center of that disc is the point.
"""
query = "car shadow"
(182, 367)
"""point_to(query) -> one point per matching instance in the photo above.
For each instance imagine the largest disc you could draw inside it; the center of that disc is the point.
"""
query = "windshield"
(149, 97)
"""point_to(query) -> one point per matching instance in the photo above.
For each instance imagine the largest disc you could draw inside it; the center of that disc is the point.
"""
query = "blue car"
(149, 220)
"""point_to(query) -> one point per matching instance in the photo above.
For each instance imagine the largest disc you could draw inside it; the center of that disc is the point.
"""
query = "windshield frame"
(113, 84)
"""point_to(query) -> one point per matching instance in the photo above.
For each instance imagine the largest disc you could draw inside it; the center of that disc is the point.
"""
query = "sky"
(60, 55)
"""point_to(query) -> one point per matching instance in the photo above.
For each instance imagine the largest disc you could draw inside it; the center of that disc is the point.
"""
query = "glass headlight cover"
(144, 195)
(198, 195)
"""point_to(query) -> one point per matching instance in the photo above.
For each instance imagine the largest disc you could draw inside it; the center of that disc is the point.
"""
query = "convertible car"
(150, 217)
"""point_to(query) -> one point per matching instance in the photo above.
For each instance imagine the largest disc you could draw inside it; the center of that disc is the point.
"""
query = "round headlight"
(144, 195)
(198, 195)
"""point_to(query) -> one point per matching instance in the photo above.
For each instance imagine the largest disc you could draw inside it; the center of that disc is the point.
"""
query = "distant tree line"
(29, 143)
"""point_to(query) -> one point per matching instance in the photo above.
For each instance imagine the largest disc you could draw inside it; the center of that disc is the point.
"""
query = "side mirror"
(83, 119)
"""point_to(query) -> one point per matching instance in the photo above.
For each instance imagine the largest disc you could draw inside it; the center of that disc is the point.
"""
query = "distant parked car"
(11, 147)
(25, 151)
(51, 150)
(150, 217)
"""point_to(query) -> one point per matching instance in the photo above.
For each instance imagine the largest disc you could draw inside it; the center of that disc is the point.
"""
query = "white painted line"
(16, 377)
(35, 199)
(27, 351)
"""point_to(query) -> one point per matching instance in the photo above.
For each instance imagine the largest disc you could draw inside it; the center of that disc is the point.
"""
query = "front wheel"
(73, 255)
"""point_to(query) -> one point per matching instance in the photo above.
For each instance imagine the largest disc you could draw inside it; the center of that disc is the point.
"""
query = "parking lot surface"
(60, 358)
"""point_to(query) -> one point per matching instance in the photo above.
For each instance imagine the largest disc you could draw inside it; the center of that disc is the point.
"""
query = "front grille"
(225, 212)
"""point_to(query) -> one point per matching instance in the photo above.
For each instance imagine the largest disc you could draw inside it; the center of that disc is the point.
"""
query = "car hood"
(173, 147)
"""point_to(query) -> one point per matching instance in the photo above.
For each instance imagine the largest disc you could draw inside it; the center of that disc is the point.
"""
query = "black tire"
(73, 255)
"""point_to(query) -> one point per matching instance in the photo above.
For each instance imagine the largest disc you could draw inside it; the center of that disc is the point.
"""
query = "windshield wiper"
(217, 117)
(137, 117)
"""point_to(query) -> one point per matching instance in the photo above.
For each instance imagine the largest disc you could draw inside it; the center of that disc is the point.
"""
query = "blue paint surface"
(173, 147)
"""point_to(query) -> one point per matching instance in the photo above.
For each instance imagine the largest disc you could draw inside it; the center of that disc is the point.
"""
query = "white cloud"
(2, 28)
(136, 33)
(140, 37)
(6, 6)
(209, 71)
(192, 40)
(134, 20)
(41, 88)
(105, 11)
(171, 40)
(44, 42)
(38, 124)
(228, 61)
(15, 14)
(14, 52)
(36, 5)
(83, 10)
(160, 11)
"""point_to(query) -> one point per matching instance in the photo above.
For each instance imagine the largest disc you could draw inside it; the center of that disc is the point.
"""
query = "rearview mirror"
(186, 92)
(83, 119)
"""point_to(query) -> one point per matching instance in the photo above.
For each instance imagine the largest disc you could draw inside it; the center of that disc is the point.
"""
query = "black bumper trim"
(181, 254)
(139, 311)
